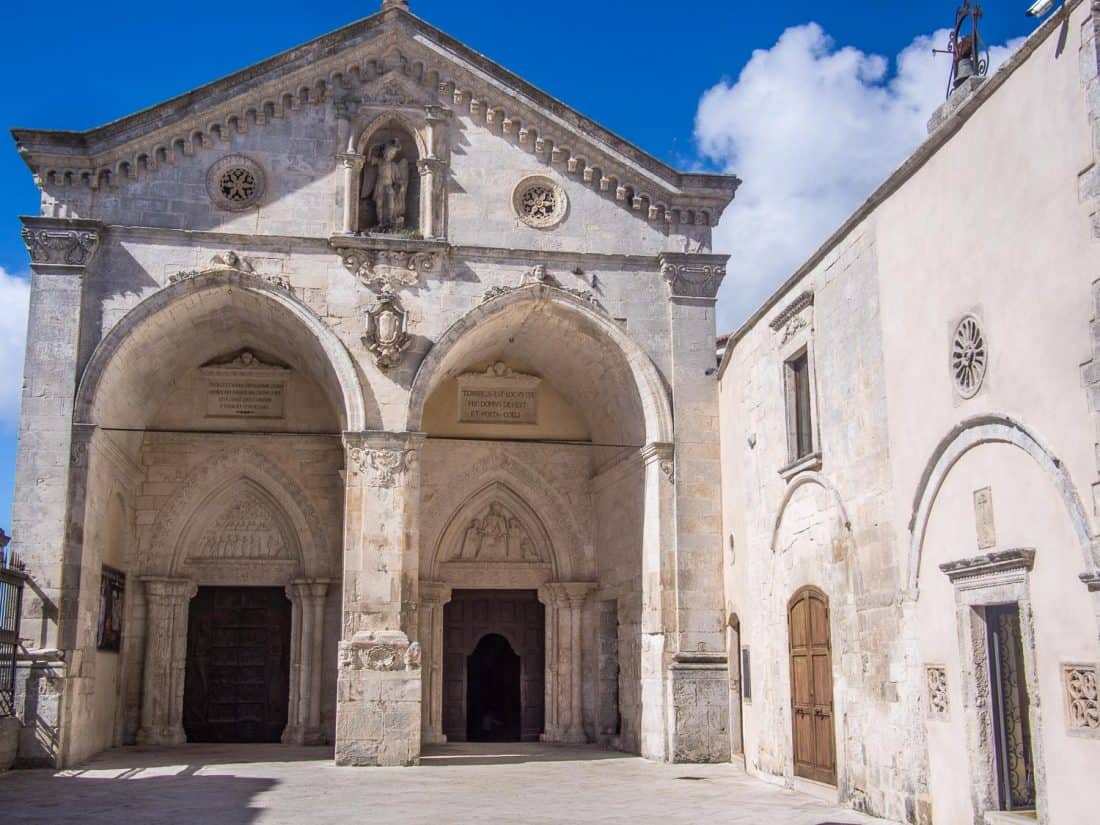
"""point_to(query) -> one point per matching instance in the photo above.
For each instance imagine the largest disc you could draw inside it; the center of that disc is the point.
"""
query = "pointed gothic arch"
(449, 545)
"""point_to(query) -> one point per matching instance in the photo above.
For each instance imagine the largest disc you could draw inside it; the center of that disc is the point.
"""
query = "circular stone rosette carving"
(235, 183)
(968, 357)
(539, 202)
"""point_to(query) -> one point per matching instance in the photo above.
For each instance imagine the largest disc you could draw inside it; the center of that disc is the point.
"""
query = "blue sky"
(640, 68)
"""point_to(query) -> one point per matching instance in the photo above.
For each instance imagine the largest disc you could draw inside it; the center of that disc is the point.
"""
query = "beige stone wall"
(988, 220)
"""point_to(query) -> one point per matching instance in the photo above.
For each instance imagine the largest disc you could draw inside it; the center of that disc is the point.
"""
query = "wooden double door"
(237, 686)
(494, 666)
(812, 686)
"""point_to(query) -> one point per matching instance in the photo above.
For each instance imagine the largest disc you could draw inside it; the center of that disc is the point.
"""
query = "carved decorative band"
(691, 275)
(379, 657)
(1003, 561)
(61, 246)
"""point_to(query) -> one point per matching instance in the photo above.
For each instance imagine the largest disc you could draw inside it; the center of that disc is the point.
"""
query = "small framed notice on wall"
(112, 589)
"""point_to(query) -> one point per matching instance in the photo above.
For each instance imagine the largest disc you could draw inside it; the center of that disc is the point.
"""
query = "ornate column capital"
(167, 589)
(380, 459)
(693, 275)
(565, 594)
(350, 160)
(62, 243)
(308, 589)
(430, 164)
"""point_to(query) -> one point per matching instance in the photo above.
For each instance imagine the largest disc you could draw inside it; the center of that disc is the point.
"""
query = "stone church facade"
(371, 400)
(351, 382)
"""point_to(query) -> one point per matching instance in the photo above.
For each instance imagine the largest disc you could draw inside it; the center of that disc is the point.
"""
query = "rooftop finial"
(395, 4)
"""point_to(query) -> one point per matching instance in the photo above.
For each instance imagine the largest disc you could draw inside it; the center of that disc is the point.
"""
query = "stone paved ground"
(268, 784)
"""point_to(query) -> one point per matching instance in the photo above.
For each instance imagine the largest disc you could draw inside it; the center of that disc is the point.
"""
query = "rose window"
(235, 183)
(968, 357)
(539, 202)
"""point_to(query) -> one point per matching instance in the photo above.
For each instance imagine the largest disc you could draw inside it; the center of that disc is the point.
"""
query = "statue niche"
(389, 194)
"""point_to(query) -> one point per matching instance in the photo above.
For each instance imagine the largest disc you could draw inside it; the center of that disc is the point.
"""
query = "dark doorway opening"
(517, 618)
(237, 685)
(493, 692)
(1011, 709)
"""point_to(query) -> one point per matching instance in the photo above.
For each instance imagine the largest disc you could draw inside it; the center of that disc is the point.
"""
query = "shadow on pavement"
(458, 754)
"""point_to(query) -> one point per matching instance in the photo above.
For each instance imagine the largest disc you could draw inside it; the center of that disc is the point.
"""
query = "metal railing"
(12, 579)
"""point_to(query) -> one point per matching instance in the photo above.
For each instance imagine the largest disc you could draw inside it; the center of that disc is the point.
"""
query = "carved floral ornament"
(936, 683)
(380, 466)
(387, 270)
(539, 202)
(60, 246)
(1082, 698)
(235, 183)
(693, 276)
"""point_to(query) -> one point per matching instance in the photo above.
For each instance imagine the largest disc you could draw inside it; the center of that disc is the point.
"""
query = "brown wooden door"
(519, 617)
(238, 665)
(812, 686)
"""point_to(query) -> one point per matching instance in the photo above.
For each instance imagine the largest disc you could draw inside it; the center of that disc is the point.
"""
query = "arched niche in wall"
(389, 183)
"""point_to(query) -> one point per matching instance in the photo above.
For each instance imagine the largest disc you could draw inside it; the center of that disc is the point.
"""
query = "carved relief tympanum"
(497, 536)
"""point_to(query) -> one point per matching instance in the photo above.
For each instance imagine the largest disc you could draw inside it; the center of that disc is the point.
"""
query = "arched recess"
(597, 366)
(138, 359)
(451, 538)
(241, 469)
(273, 560)
(992, 429)
(844, 524)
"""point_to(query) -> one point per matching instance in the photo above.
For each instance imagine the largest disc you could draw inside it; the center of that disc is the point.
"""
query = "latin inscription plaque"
(498, 396)
(245, 388)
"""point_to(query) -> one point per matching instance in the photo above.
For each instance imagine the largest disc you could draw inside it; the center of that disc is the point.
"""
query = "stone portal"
(487, 634)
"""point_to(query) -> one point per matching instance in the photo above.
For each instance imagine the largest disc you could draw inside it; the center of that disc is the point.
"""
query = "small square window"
(799, 411)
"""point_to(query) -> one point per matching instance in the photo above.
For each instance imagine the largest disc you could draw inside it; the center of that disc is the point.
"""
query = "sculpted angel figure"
(390, 185)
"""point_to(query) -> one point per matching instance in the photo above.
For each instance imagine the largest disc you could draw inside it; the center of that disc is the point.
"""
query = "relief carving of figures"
(497, 536)
(386, 184)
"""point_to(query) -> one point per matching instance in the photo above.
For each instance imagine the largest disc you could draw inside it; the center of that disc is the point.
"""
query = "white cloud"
(15, 294)
(812, 129)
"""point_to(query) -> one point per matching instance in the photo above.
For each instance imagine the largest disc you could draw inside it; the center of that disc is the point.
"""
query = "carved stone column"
(698, 718)
(307, 657)
(432, 171)
(51, 474)
(564, 697)
(378, 690)
(165, 660)
(353, 170)
(433, 597)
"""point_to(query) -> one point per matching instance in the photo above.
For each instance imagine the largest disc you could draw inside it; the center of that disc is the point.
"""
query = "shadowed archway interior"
(493, 691)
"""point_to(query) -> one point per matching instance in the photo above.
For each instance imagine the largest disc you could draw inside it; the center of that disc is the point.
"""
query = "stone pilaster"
(352, 165)
(306, 662)
(165, 660)
(433, 598)
(51, 467)
(378, 703)
(698, 727)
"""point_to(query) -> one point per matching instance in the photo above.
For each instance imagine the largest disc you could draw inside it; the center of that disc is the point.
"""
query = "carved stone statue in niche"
(389, 200)
(497, 536)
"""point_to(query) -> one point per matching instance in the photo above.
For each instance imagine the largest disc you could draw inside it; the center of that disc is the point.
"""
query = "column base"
(564, 737)
(165, 736)
(698, 701)
(433, 738)
(378, 702)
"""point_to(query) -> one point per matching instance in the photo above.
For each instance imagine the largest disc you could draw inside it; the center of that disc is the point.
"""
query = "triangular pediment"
(391, 59)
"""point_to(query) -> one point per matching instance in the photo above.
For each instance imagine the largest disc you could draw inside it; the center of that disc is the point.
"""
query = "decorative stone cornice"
(693, 275)
(62, 242)
(392, 43)
(390, 264)
(1018, 560)
(664, 454)
(803, 300)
